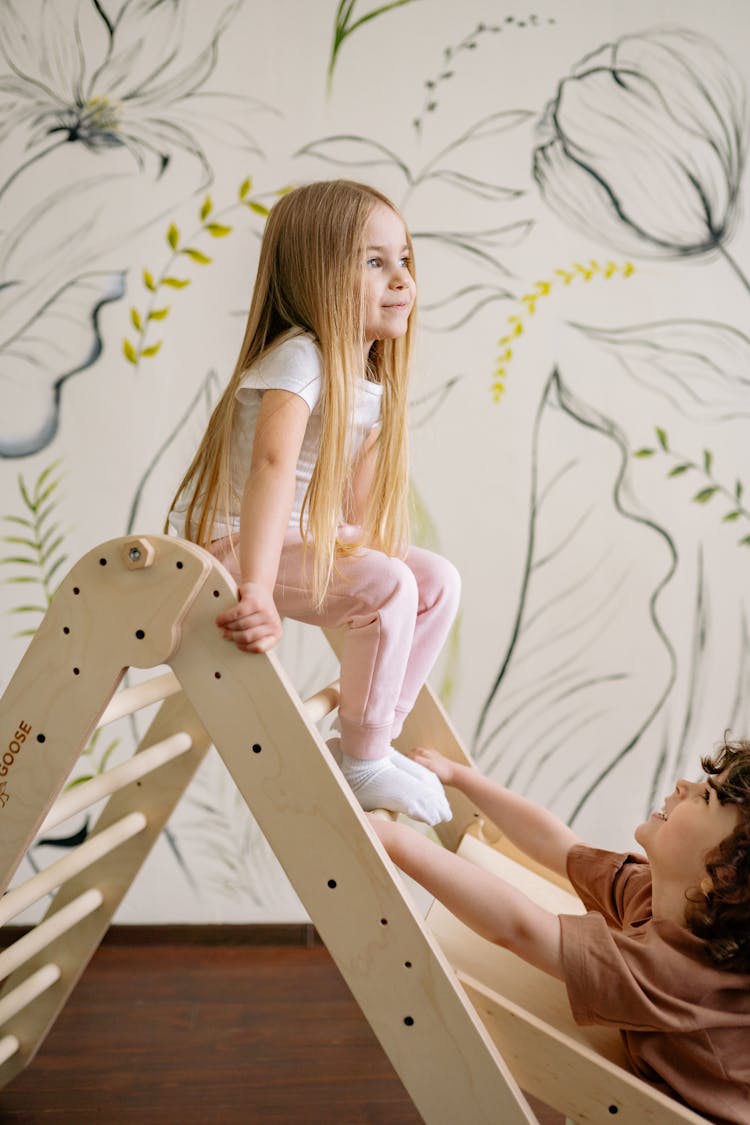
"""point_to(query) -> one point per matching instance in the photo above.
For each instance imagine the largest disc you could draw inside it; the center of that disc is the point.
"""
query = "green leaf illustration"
(662, 438)
(245, 188)
(148, 281)
(159, 314)
(176, 282)
(152, 349)
(207, 208)
(129, 351)
(173, 236)
(218, 230)
(135, 317)
(705, 494)
(197, 255)
(42, 555)
(644, 452)
(678, 470)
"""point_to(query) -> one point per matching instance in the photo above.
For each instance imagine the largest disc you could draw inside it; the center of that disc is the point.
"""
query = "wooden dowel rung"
(82, 796)
(322, 703)
(8, 1047)
(132, 699)
(51, 928)
(28, 990)
(58, 872)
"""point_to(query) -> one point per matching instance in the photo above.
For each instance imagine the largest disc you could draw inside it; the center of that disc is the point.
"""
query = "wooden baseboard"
(296, 934)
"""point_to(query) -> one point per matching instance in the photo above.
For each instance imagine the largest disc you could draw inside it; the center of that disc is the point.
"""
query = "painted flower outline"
(646, 144)
(110, 82)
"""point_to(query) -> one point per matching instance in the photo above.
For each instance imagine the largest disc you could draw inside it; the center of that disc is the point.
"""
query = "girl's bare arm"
(485, 903)
(254, 624)
(532, 828)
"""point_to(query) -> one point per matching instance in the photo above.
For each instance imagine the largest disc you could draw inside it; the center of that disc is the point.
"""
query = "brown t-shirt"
(685, 1023)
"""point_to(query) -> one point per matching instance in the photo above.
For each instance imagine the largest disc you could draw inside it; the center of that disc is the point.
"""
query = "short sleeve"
(635, 983)
(293, 365)
(617, 884)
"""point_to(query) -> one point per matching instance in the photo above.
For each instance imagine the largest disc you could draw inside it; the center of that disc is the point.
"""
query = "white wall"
(603, 634)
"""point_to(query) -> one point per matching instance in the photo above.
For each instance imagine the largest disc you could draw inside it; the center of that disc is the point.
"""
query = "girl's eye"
(373, 263)
(707, 795)
(404, 262)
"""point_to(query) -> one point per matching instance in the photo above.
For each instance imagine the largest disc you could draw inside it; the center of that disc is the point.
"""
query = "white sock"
(379, 784)
(401, 761)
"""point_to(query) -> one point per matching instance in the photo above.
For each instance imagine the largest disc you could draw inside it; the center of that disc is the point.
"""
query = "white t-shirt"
(294, 364)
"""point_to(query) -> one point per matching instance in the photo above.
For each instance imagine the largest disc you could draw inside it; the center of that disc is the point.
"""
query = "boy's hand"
(436, 762)
(253, 624)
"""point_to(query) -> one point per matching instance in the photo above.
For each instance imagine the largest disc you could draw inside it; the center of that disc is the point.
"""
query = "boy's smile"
(677, 839)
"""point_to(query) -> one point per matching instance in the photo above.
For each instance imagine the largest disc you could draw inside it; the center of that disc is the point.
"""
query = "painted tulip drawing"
(645, 144)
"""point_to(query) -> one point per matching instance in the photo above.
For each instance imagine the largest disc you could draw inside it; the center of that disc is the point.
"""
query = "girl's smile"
(390, 290)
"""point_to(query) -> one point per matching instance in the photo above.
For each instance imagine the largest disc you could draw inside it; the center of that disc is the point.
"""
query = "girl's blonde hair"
(310, 277)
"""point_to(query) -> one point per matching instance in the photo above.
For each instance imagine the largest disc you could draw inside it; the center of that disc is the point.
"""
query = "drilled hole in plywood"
(217, 675)
(102, 562)
(409, 1021)
(257, 748)
(76, 671)
(76, 590)
(140, 634)
(66, 630)
(179, 564)
(407, 964)
(217, 594)
(41, 738)
(332, 883)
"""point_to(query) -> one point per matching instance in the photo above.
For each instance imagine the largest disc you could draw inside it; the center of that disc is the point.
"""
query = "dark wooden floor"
(186, 1034)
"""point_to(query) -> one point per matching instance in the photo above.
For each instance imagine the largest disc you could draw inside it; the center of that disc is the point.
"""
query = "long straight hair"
(310, 278)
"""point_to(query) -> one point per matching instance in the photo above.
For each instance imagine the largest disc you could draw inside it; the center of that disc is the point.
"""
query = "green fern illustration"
(157, 309)
(345, 24)
(710, 488)
(35, 539)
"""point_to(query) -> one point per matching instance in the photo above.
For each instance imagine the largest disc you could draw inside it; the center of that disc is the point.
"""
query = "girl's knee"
(392, 582)
(438, 580)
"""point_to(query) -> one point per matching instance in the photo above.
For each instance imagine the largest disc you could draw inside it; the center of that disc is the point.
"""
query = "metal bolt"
(134, 554)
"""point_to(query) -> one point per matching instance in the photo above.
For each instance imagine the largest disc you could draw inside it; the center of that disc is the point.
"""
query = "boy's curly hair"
(721, 916)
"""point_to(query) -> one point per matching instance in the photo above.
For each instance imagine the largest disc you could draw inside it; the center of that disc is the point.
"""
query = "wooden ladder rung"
(9, 1045)
(26, 894)
(135, 698)
(105, 784)
(23, 994)
(49, 930)
(322, 703)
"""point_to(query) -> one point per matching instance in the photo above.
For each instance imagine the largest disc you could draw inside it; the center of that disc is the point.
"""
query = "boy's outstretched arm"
(485, 903)
(532, 828)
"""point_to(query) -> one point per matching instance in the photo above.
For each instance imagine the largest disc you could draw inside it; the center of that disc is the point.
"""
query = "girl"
(664, 950)
(299, 485)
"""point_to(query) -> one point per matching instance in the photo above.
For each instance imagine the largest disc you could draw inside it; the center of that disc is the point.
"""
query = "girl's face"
(389, 287)
(691, 823)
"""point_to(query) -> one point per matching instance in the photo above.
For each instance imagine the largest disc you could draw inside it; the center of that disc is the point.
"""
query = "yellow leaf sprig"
(517, 322)
(212, 225)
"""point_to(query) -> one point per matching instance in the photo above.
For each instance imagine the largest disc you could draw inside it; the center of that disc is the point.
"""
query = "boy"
(663, 953)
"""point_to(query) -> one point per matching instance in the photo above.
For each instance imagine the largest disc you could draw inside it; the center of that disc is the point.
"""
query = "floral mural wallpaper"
(574, 179)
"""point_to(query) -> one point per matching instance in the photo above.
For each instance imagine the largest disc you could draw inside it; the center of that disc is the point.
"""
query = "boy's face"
(691, 824)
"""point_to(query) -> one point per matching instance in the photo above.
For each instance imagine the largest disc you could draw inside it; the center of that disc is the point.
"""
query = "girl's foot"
(381, 784)
(399, 760)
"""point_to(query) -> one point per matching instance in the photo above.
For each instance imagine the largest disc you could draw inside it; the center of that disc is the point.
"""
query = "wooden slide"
(465, 1029)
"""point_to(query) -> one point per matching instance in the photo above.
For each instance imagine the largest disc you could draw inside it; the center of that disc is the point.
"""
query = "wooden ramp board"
(148, 601)
(580, 1071)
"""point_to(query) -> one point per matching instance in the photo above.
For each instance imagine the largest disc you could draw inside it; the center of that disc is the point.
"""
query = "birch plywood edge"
(112, 611)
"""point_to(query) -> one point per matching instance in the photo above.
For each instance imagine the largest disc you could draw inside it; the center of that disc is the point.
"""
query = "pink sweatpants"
(396, 615)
